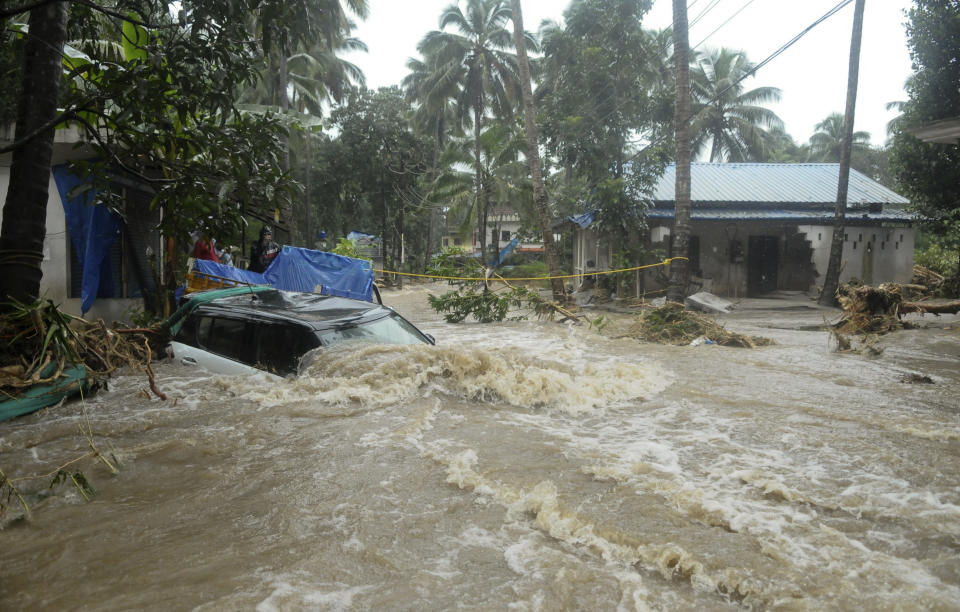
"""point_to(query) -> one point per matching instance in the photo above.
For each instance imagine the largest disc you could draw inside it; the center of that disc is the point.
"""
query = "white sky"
(812, 74)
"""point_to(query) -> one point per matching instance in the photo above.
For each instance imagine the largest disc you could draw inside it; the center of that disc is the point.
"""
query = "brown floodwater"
(524, 465)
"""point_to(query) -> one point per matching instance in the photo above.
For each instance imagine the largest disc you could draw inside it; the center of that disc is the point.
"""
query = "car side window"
(280, 346)
(226, 337)
(188, 331)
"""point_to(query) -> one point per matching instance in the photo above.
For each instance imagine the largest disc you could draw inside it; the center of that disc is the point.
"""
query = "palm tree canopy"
(826, 142)
(725, 115)
(481, 46)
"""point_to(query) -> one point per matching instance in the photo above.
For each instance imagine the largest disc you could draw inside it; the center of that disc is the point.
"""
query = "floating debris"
(672, 324)
(878, 310)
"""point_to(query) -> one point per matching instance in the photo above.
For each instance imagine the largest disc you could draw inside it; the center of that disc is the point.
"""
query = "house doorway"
(763, 260)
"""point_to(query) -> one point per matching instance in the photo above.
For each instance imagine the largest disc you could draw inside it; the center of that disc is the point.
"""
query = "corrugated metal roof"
(772, 183)
(776, 214)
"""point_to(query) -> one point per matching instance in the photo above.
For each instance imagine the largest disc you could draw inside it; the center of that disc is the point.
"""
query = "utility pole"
(828, 297)
(679, 268)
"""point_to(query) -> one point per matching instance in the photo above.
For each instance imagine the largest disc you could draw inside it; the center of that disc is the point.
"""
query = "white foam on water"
(298, 592)
(380, 376)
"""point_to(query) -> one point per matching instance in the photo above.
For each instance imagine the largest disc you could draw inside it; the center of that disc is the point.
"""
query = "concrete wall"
(56, 264)
(872, 254)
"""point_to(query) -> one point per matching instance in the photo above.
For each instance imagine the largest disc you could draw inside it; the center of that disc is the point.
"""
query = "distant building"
(503, 225)
(759, 228)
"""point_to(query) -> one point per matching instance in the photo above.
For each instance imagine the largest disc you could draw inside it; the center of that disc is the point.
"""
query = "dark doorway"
(763, 259)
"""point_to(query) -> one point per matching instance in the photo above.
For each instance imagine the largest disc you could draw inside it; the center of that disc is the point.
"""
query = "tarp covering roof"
(773, 183)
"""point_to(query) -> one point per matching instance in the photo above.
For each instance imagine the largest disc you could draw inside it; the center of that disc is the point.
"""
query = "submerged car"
(243, 330)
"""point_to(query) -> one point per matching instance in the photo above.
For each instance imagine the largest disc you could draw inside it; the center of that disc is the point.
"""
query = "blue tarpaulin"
(499, 257)
(584, 220)
(297, 269)
(93, 230)
(217, 269)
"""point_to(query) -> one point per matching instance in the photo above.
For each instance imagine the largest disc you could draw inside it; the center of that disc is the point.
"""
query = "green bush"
(937, 257)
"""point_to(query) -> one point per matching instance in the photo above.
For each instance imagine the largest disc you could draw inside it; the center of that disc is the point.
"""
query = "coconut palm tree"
(434, 92)
(478, 51)
(826, 142)
(725, 115)
(503, 173)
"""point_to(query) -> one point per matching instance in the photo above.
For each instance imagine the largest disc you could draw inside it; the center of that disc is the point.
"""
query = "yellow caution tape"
(665, 262)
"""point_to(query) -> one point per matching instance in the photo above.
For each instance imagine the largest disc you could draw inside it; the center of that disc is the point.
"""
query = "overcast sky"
(812, 73)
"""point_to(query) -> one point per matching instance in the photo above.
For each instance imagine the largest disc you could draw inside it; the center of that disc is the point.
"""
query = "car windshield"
(388, 330)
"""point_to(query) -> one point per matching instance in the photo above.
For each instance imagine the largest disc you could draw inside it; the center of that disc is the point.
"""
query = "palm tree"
(503, 175)
(434, 92)
(533, 153)
(300, 44)
(478, 52)
(731, 119)
(827, 142)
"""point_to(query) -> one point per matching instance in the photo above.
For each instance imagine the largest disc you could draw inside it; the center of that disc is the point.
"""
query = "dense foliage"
(237, 113)
(929, 173)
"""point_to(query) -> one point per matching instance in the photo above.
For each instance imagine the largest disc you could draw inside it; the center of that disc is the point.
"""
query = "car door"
(217, 343)
(281, 344)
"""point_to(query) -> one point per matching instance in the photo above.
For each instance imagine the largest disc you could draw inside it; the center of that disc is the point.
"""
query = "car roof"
(317, 311)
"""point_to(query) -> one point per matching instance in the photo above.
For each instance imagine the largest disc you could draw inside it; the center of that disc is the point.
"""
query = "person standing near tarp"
(204, 249)
(263, 252)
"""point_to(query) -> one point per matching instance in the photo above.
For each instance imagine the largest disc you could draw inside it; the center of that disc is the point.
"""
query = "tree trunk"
(25, 210)
(828, 297)
(533, 157)
(286, 212)
(308, 231)
(481, 212)
(679, 268)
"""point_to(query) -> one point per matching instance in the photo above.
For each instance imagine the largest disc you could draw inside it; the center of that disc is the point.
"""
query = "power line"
(752, 71)
(730, 18)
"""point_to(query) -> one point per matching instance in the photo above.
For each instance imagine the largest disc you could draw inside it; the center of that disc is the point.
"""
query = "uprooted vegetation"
(40, 345)
(869, 312)
(41, 341)
(672, 324)
(879, 310)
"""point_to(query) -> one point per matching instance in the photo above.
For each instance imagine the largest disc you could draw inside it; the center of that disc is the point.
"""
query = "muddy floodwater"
(515, 466)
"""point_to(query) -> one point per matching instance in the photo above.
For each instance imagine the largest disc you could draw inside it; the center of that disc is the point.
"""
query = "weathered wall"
(873, 255)
(591, 253)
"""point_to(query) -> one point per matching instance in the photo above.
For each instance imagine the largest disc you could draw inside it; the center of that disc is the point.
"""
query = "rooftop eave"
(946, 131)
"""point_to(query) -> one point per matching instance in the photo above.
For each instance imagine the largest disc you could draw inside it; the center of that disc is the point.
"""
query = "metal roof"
(773, 183)
(812, 215)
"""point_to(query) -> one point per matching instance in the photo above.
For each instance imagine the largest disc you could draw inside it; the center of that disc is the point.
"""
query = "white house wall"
(591, 253)
(54, 284)
(888, 249)
(881, 255)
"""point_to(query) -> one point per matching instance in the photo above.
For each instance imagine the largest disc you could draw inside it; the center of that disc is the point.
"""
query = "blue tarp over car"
(298, 269)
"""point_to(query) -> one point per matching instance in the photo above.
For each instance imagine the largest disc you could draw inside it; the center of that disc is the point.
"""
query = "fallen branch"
(924, 307)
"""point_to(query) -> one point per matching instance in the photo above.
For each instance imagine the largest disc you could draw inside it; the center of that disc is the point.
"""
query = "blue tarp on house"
(584, 220)
(93, 230)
